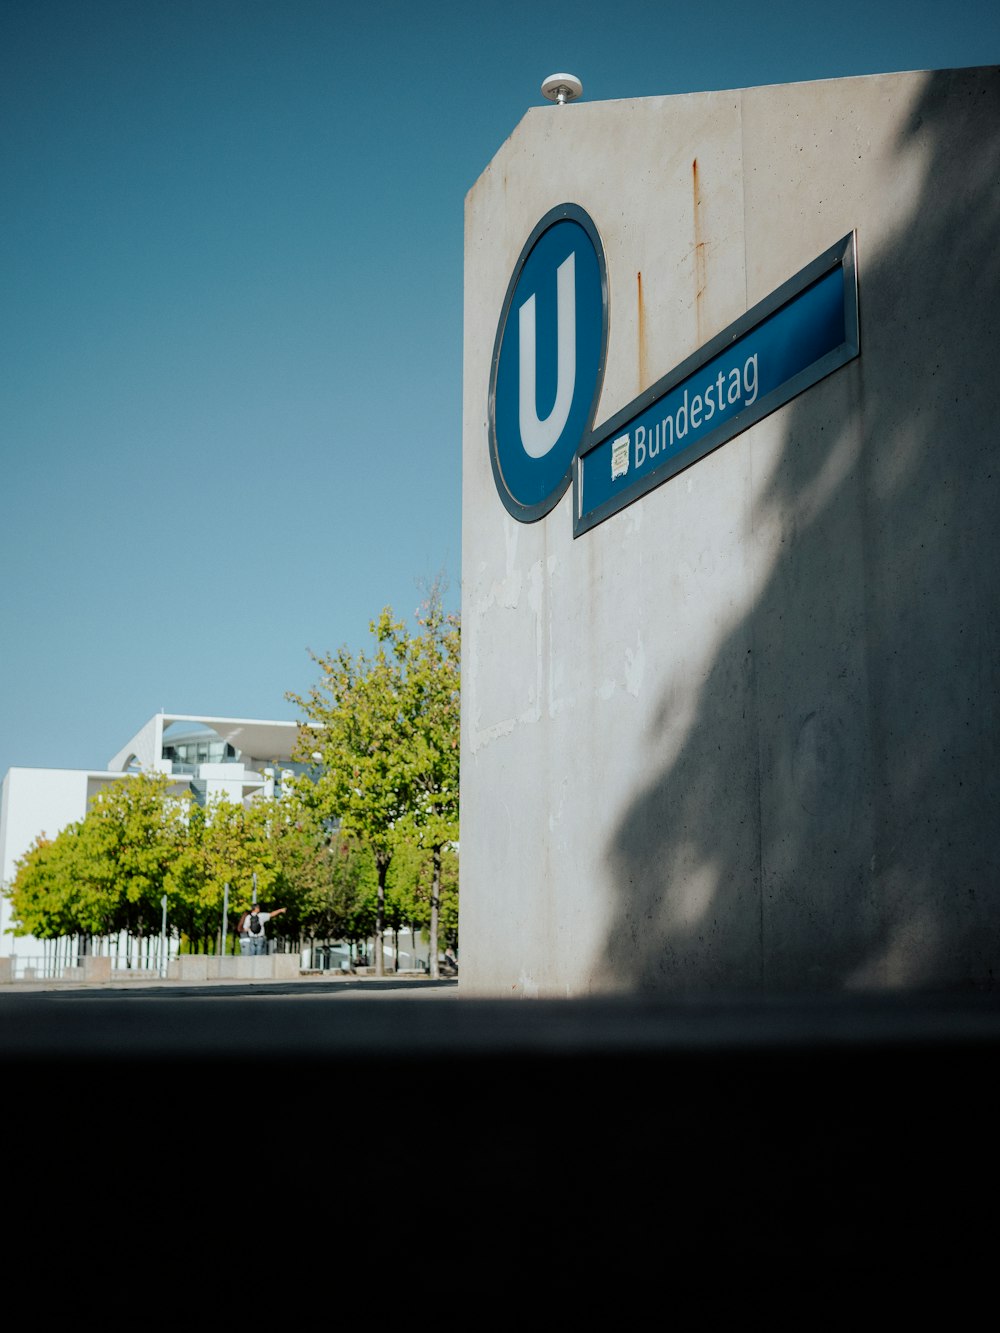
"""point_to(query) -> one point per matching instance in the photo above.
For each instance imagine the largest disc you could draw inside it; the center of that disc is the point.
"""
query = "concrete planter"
(234, 967)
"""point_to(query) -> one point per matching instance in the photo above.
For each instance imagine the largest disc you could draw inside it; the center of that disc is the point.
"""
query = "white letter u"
(538, 437)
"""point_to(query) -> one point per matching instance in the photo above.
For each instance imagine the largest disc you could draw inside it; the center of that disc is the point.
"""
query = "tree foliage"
(43, 895)
(384, 730)
(108, 872)
(432, 820)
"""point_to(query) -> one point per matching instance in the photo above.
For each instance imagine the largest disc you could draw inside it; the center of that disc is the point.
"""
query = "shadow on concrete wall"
(831, 820)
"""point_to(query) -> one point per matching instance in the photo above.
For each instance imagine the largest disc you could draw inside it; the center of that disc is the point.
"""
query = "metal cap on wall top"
(561, 88)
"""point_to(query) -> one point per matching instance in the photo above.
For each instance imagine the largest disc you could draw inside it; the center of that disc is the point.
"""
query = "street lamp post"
(225, 917)
(163, 938)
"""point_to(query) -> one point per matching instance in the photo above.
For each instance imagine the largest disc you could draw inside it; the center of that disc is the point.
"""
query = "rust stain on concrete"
(643, 375)
(700, 276)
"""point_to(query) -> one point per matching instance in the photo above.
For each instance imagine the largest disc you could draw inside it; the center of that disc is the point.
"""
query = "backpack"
(255, 926)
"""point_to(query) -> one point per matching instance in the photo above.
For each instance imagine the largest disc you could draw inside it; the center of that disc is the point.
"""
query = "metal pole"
(225, 917)
(163, 938)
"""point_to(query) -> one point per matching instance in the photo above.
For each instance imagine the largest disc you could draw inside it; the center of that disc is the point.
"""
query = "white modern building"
(242, 758)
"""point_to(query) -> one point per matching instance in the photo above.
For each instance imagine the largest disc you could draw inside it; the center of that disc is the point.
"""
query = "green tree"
(235, 845)
(385, 731)
(106, 873)
(411, 891)
(409, 899)
(358, 725)
(44, 894)
(328, 878)
(433, 679)
(350, 904)
(127, 846)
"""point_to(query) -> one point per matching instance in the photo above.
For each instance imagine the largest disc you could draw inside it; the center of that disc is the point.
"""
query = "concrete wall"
(742, 736)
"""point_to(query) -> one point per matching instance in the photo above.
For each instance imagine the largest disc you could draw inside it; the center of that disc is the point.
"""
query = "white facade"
(240, 758)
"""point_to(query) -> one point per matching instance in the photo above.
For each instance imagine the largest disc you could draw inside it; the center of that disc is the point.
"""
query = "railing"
(64, 963)
(96, 969)
(27, 967)
(338, 958)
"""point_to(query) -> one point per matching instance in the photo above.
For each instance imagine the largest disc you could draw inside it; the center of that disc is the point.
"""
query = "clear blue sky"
(231, 312)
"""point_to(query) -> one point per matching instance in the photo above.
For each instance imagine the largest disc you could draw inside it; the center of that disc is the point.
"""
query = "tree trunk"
(435, 905)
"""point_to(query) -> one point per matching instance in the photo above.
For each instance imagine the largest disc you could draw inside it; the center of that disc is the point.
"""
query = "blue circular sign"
(548, 362)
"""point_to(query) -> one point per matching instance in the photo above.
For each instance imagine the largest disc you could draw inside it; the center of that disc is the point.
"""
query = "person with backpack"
(251, 929)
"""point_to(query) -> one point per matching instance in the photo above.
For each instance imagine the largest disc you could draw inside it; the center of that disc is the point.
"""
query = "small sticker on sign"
(619, 456)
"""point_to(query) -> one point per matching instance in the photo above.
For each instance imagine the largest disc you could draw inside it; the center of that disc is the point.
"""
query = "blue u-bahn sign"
(548, 367)
(548, 361)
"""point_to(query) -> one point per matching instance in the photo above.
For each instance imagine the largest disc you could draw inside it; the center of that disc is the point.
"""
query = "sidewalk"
(412, 982)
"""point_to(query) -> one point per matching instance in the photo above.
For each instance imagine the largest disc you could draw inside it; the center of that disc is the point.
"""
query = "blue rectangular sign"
(797, 336)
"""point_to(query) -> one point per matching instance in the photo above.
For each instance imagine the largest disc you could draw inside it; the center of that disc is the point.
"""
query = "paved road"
(763, 1129)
